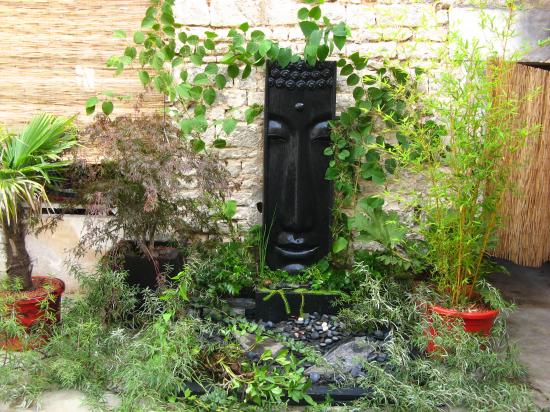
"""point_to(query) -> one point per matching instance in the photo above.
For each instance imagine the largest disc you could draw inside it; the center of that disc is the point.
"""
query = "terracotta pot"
(41, 306)
(480, 321)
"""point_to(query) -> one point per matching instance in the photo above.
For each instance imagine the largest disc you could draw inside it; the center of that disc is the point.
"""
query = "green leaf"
(148, 22)
(323, 52)
(257, 35)
(198, 145)
(244, 27)
(144, 77)
(265, 45)
(339, 41)
(139, 37)
(196, 59)
(220, 143)
(107, 107)
(315, 13)
(209, 95)
(344, 154)
(315, 37)
(233, 70)
(90, 110)
(303, 13)
(131, 52)
(229, 125)
(328, 151)
(346, 70)
(193, 40)
(284, 56)
(352, 80)
(340, 30)
(229, 209)
(358, 93)
(119, 34)
(220, 81)
(201, 79)
(92, 101)
(252, 112)
(339, 245)
(246, 71)
(211, 68)
(209, 44)
(308, 27)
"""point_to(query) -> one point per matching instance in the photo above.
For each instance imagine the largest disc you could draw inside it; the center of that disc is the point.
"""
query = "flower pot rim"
(480, 314)
(58, 291)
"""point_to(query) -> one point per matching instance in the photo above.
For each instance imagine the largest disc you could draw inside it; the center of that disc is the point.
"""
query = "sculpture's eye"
(277, 132)
(320, 132)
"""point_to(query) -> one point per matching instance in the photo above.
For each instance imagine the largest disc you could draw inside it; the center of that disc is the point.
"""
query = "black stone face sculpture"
(299, 102)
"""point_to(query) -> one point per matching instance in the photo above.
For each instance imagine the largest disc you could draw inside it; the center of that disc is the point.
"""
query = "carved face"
(297, 199)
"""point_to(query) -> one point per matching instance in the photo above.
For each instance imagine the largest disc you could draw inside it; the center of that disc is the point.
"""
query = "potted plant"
(148, 197)
(28, 163)
(467, 167)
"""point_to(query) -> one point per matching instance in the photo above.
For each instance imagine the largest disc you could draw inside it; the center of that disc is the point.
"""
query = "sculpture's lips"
(296, 251)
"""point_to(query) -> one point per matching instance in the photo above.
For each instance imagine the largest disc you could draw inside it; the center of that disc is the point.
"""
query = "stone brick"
(192, 12)
(382, 49)
(437, 34)
(413, 15)
(360, 16)
(245, 136)
(232, 97)
(369, 34)
(334, 11)
(396, 34)
(229, 13)
(418, 50)
(282, 12)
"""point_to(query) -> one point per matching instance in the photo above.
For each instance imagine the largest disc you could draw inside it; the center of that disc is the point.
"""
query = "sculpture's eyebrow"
(320, 129)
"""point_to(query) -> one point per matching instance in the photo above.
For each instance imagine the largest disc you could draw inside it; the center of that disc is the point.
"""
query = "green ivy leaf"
(284, 57)
(257, 35)
(209, 95)
(201, 79)
(130, 52)
(339, 41)
(352, 80)
(229, 125)
(233, 70)
(339, 245)
(209, 44)
(358, 93)
(220, 81)
(183, 37)
(211, 68)
(196, 59)
(144, 77)
(246, 71)
(148, 22)
(303, 13)
(328, 151)
(193, 40)
(107, 107)
(308, 27)
(252, 112)
(220, 143)
(323, 52)
(92, 101)
(119, 34)
(244, 27)
(346, 70)
(198, 145)
(315, 13)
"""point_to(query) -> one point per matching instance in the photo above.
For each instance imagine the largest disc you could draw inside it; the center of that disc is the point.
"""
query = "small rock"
(300, 321)
(296, 335)
(314, 335)
(378, 334)
(314, 377)
(328, 341)
(372, 356)
(322, 344)
(251, 356)
(356, 371)
(269, 324)
(329, 334)
(324, 325)
(382, 357)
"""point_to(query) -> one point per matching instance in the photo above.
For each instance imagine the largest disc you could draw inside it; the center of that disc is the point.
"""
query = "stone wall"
(404, 30)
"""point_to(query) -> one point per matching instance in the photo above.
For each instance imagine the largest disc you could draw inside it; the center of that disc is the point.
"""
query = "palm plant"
(27, 162)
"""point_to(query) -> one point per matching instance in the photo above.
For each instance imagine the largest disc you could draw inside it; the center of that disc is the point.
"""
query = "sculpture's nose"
(298, 214)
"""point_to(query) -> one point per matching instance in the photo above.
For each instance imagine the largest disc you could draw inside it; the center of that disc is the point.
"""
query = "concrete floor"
(529, 327)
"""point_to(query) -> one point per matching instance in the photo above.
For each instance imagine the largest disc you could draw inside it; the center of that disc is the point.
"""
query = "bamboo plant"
(28, 161)
(466, 162)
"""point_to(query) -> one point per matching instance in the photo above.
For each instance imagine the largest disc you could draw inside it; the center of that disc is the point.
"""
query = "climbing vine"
(183, 68)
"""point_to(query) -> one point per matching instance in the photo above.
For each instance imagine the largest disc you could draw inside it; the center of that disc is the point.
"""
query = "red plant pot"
(480, 321)
(41, 305)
